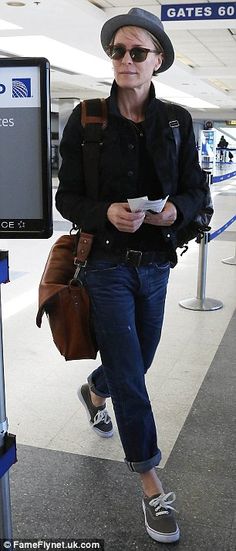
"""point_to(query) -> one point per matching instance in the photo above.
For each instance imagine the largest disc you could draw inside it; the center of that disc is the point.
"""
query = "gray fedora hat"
(140, 18)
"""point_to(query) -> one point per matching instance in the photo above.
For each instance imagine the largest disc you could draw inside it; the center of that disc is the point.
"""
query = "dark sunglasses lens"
(116, 52)
(138, 54)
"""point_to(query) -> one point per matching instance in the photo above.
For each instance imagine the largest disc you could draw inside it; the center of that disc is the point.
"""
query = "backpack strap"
(174, 125)
(94, 121)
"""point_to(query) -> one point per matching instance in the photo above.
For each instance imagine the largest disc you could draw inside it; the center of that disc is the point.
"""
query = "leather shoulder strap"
(94, 111)
(83, 247)
(94, 121)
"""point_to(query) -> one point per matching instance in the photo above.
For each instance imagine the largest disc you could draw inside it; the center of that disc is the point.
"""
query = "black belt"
(130, 257)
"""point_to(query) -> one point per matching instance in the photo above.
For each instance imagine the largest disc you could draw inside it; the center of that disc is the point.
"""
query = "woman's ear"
(158, 64)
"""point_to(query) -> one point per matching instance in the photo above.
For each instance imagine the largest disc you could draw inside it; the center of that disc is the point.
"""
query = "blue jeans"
(127, 311)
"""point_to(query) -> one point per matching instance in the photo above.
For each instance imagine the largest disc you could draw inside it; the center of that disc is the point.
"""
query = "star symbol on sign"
(21, 225)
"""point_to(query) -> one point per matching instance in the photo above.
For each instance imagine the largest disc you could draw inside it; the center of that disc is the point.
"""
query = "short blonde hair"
(158, 47)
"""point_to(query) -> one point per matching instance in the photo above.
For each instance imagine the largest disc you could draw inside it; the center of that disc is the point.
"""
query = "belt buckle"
(134, 257)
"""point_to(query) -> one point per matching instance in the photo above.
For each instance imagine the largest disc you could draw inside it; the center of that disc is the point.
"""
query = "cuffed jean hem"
(94, 390)
(144, 466)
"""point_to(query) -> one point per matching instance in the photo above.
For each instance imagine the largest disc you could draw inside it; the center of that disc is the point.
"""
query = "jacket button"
(130, 173)
(131, 146)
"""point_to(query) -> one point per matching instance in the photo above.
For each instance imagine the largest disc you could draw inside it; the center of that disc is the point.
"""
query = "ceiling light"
(219, 85)
(16, 4)
(197, 103)
(185, 60)
(105, 82)
(59, 54)
(95, 3)
(177, 96)
(6, 26)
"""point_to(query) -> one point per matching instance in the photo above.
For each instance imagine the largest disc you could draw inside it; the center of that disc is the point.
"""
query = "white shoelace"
(101, 415)
(163, 502)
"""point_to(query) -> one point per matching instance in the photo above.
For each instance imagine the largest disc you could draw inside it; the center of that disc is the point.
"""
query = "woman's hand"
(123, 219)
(166, 217)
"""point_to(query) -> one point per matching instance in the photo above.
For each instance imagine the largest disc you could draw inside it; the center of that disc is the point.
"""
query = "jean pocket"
(162, 266)
(100, 266)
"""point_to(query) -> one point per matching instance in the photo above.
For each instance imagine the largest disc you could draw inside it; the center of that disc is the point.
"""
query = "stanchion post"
(201, 302)
(5, 502)
(202, 267)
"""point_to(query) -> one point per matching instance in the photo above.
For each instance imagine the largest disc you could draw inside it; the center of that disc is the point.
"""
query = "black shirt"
(147, 237)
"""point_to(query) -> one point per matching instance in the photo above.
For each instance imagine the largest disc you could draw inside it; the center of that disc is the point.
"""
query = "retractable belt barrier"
(222, 229)
(201, 302)
(232, 259)
(222, 177)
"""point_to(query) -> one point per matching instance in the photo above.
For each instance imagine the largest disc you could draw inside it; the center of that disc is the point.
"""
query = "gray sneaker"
(99, 418)
(159, 518)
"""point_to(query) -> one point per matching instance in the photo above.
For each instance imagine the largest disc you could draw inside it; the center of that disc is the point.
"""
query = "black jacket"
(183, 179)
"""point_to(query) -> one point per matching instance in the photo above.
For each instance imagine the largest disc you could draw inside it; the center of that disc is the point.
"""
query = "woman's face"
(131, 74)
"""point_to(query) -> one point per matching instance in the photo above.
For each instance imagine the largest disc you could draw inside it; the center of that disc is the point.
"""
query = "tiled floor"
(61, 460)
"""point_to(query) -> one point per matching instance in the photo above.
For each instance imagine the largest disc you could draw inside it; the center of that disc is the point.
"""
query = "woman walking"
(127, 271)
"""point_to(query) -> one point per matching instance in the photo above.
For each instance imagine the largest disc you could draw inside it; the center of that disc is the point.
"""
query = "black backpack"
(94, 120)
(202, 219)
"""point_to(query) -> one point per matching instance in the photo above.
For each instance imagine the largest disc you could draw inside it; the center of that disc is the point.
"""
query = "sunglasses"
(137, 53)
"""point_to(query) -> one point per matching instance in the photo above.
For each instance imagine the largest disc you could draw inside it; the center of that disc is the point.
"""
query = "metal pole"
(5, 501)
(202, 267)
(201, 302)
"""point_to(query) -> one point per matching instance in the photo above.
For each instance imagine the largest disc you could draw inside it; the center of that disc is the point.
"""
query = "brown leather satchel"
(61, 297)
(65, 300)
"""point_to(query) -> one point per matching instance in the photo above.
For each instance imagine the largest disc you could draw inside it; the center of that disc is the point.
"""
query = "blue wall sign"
(187, 12)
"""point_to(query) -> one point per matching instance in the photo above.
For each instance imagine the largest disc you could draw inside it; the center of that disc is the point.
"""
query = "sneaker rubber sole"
(160, 536)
